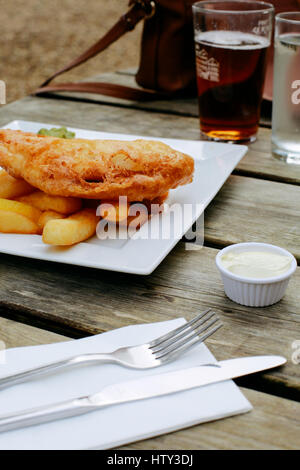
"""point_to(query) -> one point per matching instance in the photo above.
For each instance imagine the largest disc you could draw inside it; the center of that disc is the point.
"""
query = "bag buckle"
(148, 6)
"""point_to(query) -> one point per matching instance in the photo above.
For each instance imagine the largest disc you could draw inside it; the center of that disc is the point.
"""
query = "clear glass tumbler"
(232, 38)
(286, 96)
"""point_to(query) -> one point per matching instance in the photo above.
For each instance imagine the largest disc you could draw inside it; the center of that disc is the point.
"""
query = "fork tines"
(186, 336)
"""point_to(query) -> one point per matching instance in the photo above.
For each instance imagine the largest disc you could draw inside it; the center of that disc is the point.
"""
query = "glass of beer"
(286, 96)
(231, 40)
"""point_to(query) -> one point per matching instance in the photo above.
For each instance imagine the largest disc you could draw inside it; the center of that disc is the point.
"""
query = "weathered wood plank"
(15, 334)
(258, 161)
(85, 301)
(250, 209)
(273, 424)
(100, 117)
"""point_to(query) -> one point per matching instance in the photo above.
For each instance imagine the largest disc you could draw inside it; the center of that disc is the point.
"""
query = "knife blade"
(184, 379)
(142, 389)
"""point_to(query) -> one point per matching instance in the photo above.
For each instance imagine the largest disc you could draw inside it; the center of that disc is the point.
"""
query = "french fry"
(140, 212)
(74, 229)
(45, 202)
(12, 222)
(137, 215)
(48, 215)
(114, 211)
(10, 187)
(6, 205)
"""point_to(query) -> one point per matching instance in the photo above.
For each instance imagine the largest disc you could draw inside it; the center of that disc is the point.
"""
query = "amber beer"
(230, 73)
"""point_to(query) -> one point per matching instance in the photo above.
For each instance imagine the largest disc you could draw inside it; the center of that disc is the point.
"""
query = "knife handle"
(45, 414)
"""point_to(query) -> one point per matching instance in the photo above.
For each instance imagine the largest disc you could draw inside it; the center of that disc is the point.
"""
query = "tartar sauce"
(256, 264)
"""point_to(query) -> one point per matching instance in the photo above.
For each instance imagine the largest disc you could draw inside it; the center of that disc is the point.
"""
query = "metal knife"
(141, 389)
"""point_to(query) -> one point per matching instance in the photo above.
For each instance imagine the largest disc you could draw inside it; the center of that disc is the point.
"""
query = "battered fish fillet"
(94, 169)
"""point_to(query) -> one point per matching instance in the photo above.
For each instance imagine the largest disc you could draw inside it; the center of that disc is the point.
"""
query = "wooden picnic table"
(43, 302)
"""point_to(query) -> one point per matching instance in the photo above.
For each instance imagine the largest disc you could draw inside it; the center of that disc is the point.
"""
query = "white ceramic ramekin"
(253, 292)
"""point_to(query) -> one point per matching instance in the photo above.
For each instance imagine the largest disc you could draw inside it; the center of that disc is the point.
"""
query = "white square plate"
(214, 162)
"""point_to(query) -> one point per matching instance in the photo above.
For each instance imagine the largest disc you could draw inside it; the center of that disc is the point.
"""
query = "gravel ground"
(40, 36)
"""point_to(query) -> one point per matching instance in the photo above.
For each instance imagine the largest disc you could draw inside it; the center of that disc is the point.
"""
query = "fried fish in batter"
(94, 169)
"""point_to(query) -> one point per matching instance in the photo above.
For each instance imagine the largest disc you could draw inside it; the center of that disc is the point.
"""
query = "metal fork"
(160, 351)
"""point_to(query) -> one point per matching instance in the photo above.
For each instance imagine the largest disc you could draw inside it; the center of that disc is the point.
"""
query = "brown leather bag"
(167, 63)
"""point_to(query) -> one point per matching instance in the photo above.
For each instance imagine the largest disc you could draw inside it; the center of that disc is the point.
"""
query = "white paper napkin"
(115, 425)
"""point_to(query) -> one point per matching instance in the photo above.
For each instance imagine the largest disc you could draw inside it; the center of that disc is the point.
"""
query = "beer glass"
(231, 41)
(286, 96)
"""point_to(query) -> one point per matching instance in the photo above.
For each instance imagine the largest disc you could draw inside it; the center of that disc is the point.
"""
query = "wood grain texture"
(82, 301)
(114, 118)
(15, 334)
(259, 162)
(273, 423)
(254, 210)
